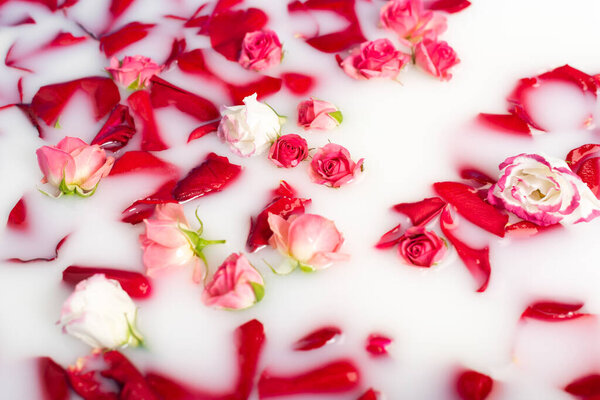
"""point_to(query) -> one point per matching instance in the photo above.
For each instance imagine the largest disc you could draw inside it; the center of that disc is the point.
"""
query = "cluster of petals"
(133, 72)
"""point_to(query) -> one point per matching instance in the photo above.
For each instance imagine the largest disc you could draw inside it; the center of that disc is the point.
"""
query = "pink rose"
(376, 59)
(133, 72)
(332, 166)
(312, 242)
(421, 247)
(436, 58)
(318, 114)
(170, 242)
(73, 166)
(260, 50)
(235, 285)
(288, 150)
(410, 21)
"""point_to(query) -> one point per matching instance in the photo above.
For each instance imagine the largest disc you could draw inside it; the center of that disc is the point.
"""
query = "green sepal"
(133, 333)
(135, 85)
(306, 267)
(337, 115)
(57, 124)
(259, 291)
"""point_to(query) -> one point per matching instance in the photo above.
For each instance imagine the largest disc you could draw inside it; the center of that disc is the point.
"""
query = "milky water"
(411, 134)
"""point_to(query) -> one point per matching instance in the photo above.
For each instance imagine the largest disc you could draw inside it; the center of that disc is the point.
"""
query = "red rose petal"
(193, 62)
(589, 172)
(263, 87)
(133, 385)
(285, 189)
(477, 261)
(53, 379)
(52, 5)
(510, 123)
(142, 107)
(47, 259)
(390, 238)
(528, 229)
(587, 387)
(118, 129)
(421, 212)
(24, 21)
(204, 130)
(472, 385)
(31, 116)
(476, 175)
(11, 61)
(339, 376)
(170, 389)
(135, 284)
(177, 49)
(551, 311)
(50, 100)
(163, 94)
(17, 218)
(449, 6)
(63, 39)
(227, 29)
(249, 340)
(116, 9)
(87, 385)
(318, 338)
(144, 208)
(143, 162)
(114, 42)
(582, 153)
(377, 345)
(212, 176)
(370, 394)
(298, 84)
(472, 207)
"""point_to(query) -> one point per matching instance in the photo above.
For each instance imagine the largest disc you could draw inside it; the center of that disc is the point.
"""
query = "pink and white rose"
(236, 285)
(100, 313)
(134, 72)
(73, 166)
(376, 59)
(169, 242)
(318, 114)
(310, 241)
(436, 58)
(288, 151)
(421, 247)
(332, 166)
(543, 190)
(260, 50)
(411, 21)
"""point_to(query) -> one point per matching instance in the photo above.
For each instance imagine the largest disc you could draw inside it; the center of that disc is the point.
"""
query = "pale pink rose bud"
(421, 247)
(310, 241)
(236, 285)
(436, 58)
(288, 151)
(332, 166)
(318, 114)
(411, 21)
(376, 59)
(73, 166)
(134, 72)
(260, 50)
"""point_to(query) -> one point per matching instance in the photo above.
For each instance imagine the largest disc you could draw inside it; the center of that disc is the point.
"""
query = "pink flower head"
(411, 21)
(73, 166)
(260, 50)
(310, 241)
(288, 150)
(421, 247)
(332, 166)
(376, 59)
(318, 114)
(436, 58)
(235, 285)
(133, 72)
(170, 242)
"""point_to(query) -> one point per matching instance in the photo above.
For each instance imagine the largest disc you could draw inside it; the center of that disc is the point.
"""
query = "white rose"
(249, 129)
(100, 313)
(543, 190)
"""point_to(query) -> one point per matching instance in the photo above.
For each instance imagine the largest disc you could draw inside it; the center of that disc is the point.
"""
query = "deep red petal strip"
(142, 107)
(472, 385)
(421, 212)
(249, 341)
(63, 39)
(144, 208)
(510, 123)
(134, 283)
(476, 175)
(143, 162)
(263, 87)
(586, 387)
(177, 48)
(193, 62)
(390, 238)
(552, 311)
(449, 6)
(285, 189)
(170, 389)
(580, 154)
(87, 385)
(318, 338)
(204, 130)
(114, 42)
(17, 219)
(163, 94)
(227, 29)
(477, 261)
(377, 345)
(472, 207)
(118, 129)
(528, 229)
(121, 370)
(370, 394)
(53, 379)
(589, 172)
(47, 259)
(297, 83)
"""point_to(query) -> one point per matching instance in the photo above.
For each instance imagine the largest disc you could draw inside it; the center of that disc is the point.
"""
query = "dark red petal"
(134, 283)
(142, 107)
(284, 189)
(213, 175)
(449, 6)
(193, 62)
(421, 212)
(133, 385)
(249, 340)
(11, 62)
(118, 7)
(528, 229)
(163, 94)
(472, 207)
(170, 389)
(88, 387)
(28, 111)
(177, 49)
(370, 394)
(63, 39)
(50, 100)
(477, 261)
(339, 376)
(568, 74)
(51, 4)
(377, 345)
(390, 238)
(553, 311)
(204, 130)
(118, 129)
(228, 28)
(53, 379)
(510, 123)
(143, 162)
(47, 259)
(580, 154)
(263, 87)
(133, 32)
(24, 21)
(144, 208)
(223, 5)
(318, 338)
(587, 387)
(472, 385)
(298, 84)
(589, 172)
(17, 219)
(337, 41)
(476, 175)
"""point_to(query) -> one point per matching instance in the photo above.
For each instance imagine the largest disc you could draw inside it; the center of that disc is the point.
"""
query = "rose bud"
(420, 247)
(376, 59)
(318, 114)
(436, 58)
(260, 50)
(288, 150)
(133, 72)
(332, 166)
(411, 21)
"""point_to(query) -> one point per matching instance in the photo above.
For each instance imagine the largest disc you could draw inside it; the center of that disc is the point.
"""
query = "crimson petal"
(551, 311)
(63, 39)
(528, 229)
(212, 176)
(163, 94)
(510, 123)
(53, 379)
(476, 175)
(472, 385)
(421, 212)
(144, 208)
(114, 42)
(249, 340)
(204, 130)
(141, 106)
(285, 189)
(589, 172)
(587, 387)
(318, 338)
(17, 218)
(193, 62)
(135, 284)
(297, 83)
(370, 394)
(87, 386)
(177, 48)
(170, 389)
(449, 6)
(582, 153)
(47, 259)
(143, 162)
(390, 238)
(377, 345)
(118, 129)
(121, 370)
(227, 29)
(263, 87)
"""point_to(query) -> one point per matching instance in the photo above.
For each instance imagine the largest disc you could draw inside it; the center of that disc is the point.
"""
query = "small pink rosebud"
(73, 166)
(318, 114)
(236, 285)
(436, 58)
(376, 59)
(288, 151)
(420, 247)
(332, 166)
(411, 21)
(133, 72)
(260, 50)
